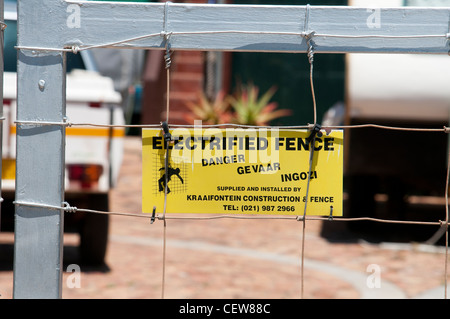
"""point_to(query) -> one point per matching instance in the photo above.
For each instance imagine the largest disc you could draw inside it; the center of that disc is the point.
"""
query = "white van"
(403, 90)
(93, 154)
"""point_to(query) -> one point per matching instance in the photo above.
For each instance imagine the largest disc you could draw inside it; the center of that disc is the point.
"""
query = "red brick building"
(187, 78)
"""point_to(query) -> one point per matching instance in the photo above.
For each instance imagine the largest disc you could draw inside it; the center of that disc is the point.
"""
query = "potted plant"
(244, 107)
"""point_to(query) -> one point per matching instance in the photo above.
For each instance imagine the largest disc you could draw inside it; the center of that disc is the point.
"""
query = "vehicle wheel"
(94, 232)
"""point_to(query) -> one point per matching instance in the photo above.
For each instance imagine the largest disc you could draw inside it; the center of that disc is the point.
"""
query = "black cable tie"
(167, 135)
(316, 129)
(152, 220)
(331, 213)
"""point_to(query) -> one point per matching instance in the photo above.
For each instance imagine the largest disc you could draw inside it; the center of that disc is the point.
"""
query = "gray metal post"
(40, 163)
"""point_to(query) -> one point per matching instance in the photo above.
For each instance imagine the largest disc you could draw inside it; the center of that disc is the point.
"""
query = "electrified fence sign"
(242, 171)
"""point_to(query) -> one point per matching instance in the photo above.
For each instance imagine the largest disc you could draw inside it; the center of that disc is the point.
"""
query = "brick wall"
(186, 80)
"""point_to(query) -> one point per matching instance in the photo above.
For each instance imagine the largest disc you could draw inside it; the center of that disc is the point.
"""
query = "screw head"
(41, 84)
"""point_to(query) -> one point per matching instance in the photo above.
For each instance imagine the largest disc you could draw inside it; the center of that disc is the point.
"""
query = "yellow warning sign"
(242, 171)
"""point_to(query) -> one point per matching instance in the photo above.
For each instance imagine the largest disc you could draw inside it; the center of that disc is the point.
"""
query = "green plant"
(252, 109)
(244, 107)
(209, 112)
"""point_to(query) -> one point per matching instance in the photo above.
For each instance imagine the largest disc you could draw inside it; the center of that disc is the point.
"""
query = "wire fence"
(309, 36)
(443, 224)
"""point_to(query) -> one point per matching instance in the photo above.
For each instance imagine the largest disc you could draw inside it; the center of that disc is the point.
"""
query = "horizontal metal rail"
(254, 28)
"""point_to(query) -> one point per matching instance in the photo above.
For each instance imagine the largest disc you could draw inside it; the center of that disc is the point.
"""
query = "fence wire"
(309, 37)
(443, 224)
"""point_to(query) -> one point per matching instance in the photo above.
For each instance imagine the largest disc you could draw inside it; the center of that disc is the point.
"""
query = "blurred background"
(388, 174)
(382, 167)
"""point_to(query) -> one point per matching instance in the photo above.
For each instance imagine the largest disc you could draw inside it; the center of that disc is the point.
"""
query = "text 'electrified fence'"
(81, 25)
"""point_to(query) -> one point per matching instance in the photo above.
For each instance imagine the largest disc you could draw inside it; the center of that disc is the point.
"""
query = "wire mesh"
(160, 175)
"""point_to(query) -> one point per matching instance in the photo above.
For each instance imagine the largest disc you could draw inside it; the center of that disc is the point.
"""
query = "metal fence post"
(40, 164)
